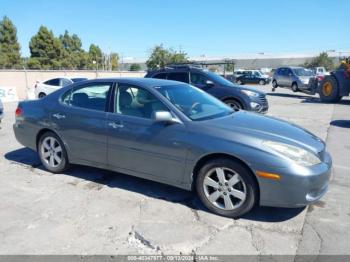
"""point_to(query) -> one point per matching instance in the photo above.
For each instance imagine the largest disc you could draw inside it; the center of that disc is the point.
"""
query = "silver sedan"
(174, 133)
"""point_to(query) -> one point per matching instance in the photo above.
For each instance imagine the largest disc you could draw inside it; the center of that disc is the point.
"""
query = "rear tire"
(52, 153)
(226, 187)
(274, 84)
(329, 90)
(41, 95)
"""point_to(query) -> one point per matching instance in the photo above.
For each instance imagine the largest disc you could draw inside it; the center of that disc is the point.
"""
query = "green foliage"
(135, 67)
(321, 60)
(230, 66)
(94, 57)
(161, 56)
(46, 50)
(73, 56)
(114, 59)
(10, 56)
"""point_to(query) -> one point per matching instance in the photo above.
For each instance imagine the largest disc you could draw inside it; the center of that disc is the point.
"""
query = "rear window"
(53, 82)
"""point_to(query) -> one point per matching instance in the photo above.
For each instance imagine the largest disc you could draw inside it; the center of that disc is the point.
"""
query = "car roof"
(139, 81)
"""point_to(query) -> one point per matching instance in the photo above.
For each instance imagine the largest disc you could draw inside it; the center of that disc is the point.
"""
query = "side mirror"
(209, 83)
(165, 116)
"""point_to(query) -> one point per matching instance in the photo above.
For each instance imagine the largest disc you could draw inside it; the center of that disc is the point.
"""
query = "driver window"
(135, 101)
(198, 79)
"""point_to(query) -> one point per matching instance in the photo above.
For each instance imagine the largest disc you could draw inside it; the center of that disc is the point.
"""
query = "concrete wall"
(24, 81)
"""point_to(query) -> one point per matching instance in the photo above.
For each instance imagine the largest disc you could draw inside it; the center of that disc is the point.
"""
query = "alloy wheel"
(224, 188)
(51, 151)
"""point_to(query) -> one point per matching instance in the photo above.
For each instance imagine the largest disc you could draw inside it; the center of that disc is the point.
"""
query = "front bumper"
(299, 186)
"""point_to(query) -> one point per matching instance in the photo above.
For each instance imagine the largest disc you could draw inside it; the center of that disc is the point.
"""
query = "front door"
(139, 145)
(81, 121)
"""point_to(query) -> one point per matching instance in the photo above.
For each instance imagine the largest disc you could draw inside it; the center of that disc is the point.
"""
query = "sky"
(220, 28)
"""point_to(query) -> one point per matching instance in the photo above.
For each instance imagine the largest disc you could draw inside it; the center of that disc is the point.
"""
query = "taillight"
(18, 112)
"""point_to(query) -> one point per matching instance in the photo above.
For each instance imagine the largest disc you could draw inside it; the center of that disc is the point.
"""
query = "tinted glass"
(90, 97)
(218, 79)
(160, 76)
(198, 79)
(194, 103)
(182, 77)
(135, 101)
(302, 72)
(53, 82)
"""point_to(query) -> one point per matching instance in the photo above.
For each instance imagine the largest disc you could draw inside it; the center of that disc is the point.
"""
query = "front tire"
(262, 82)
(226, 187)
(329, 90)
(295, 87)
(239, 82)
(235, 105)
(52, 153)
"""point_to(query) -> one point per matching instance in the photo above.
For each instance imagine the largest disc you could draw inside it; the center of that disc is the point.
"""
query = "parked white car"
(42, 89)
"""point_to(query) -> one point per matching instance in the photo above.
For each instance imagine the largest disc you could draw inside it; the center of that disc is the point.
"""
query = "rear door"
(80, 118)
(282, 76)
(179, 76)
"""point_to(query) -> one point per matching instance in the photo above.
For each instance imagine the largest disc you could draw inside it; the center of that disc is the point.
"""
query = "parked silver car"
(174, 133)
(295, 78)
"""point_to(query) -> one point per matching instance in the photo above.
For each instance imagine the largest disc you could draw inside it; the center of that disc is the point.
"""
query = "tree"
(230, 66)
(95, 54)
(135, 67)
(10, 56)
(321, 60)
(73, 56)
(114, 59)
(45, 50)
(161, 56)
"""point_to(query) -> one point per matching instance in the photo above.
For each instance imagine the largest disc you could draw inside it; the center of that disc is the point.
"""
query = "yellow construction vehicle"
(336, 85)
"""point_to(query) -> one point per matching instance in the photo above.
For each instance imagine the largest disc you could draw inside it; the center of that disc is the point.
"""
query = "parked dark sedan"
(254, 78)
(176, 134)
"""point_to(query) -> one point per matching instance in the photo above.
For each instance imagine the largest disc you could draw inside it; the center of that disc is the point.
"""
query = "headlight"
(296, 154)
(250, 93)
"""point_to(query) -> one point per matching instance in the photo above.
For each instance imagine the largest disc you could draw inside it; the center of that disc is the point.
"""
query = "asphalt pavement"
(89, 211)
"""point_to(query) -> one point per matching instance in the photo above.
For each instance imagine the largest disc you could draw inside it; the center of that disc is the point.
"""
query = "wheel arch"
(45, 130)
(226, 98)
(204, 159)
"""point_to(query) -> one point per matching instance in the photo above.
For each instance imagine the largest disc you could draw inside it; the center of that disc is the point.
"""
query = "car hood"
(305, 78)
(268, 128)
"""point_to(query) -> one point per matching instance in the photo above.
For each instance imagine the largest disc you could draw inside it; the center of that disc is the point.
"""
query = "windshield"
(218, 79)
(194, 103)
(302, 72)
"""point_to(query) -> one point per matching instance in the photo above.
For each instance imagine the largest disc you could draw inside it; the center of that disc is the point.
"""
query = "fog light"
(255, 105)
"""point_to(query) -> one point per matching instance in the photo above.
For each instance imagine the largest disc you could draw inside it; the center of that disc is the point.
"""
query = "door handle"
(58, 116)
(115, 125)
